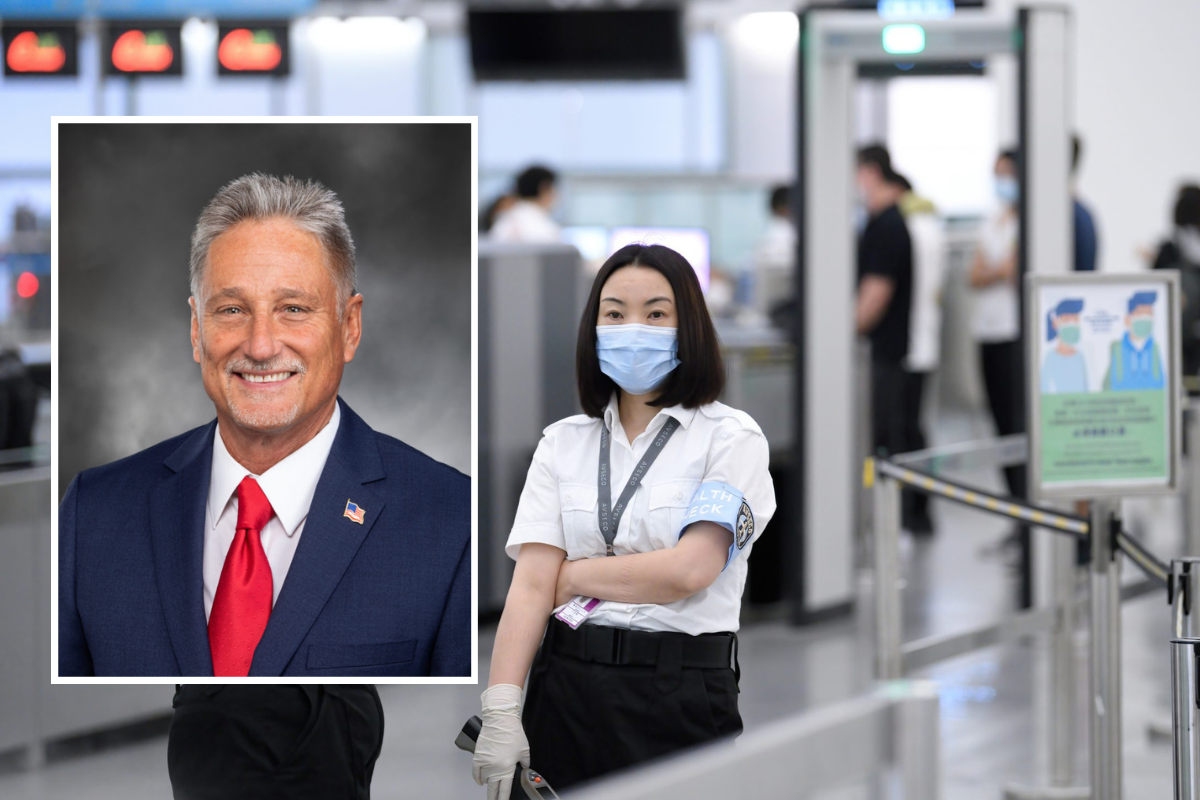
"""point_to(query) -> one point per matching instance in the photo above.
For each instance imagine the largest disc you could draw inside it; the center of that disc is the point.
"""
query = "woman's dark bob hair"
(700, 376)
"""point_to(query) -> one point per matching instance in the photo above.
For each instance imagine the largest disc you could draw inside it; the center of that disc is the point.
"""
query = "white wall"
(943, 135)
(762, 56)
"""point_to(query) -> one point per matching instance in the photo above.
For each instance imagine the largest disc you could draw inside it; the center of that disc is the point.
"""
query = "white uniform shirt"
(526, 223)
(289, 486)
(997, 310)
(559, 503)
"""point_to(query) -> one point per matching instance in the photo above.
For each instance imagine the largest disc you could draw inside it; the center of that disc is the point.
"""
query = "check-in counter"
(760, 378)
(32, 711)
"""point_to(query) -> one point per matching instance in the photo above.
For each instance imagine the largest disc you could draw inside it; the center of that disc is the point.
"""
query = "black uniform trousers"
(586, 719)
(1003, 368)
(896, 423)
(231, 741)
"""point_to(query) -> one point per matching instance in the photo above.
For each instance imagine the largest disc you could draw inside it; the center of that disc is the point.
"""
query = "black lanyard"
(610, 515)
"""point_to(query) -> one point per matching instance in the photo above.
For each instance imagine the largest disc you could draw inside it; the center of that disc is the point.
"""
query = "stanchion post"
(1183, 593)
(1185, 714)
(888, 660)
(1192, 492)
(1062, 662)
(1105, 653)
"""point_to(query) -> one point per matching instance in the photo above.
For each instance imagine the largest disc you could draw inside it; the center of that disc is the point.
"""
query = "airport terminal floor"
(990, 730)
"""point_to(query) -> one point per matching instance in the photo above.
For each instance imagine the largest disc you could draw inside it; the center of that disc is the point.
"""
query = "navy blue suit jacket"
(389, 597)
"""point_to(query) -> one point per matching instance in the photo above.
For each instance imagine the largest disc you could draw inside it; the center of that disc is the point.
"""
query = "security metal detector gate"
(832, 45)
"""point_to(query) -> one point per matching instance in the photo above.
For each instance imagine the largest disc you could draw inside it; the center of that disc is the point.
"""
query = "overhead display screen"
(149, 48)
(252, 49)
(41, 50)
(576, 44)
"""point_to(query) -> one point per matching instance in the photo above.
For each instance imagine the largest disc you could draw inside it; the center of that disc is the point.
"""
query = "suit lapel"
(177, 539)
(328, 542)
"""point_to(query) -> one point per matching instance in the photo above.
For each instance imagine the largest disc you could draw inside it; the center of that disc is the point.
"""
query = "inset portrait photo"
(263, 428)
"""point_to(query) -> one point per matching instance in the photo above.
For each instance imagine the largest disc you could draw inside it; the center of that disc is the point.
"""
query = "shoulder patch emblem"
(745, 525)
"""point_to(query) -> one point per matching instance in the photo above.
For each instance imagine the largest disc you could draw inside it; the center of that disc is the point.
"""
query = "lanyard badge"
(610, 515)
(578, 609)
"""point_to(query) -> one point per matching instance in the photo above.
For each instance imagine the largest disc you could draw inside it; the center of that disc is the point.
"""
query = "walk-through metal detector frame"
(833, 42)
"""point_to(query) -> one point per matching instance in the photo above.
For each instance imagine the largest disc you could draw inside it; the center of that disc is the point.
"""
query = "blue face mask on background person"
(1007, 189)
(637, 357)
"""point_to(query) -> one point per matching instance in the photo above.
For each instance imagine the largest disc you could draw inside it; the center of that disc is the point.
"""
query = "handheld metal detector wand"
(532, 782)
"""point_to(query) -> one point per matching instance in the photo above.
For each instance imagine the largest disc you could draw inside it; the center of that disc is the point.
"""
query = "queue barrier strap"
(1004, 506)
(1012, 508)
(1139, 555)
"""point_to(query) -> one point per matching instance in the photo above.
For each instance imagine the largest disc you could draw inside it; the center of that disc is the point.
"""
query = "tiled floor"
(991, 734)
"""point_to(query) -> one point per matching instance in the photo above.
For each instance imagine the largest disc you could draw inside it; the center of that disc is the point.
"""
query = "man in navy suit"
(286, 537)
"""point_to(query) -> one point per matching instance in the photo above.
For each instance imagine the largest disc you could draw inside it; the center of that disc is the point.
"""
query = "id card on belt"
(576, 611)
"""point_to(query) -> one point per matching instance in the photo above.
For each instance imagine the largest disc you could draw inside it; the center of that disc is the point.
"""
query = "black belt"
(604, 645)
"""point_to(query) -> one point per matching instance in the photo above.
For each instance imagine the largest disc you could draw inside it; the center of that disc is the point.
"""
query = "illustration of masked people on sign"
(1063, 367)
(1135, 361)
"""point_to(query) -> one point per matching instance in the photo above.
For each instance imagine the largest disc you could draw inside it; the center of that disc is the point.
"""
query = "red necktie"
(242, 603)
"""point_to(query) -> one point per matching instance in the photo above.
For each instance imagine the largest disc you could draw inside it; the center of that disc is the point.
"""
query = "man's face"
(268, 337)
(866, 181)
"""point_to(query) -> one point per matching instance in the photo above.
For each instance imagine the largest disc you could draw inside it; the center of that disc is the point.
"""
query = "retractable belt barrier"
(1102, 531)
(1013, 508)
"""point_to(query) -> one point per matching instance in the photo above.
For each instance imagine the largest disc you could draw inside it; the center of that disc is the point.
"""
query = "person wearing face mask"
(1135, 360)
(1182, 252)
(631, 541)
(995, 314)
(1063, 366)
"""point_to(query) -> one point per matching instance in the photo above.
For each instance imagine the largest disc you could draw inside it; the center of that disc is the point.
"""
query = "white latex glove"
(501, 743)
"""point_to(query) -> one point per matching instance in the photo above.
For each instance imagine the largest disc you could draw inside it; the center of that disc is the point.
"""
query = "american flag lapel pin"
(354, 512)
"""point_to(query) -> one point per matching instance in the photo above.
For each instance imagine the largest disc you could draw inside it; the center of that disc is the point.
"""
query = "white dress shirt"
(526, 222)
(996, 316)
(289, 486)
(559, 503)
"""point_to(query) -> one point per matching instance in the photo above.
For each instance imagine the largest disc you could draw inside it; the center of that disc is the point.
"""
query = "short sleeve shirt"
(885, 249)
(714, 443)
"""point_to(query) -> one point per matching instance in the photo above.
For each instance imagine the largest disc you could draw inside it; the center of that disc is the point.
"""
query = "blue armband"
(724, 505)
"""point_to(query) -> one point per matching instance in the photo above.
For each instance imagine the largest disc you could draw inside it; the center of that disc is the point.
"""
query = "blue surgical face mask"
(1007, 189)
(637, 357)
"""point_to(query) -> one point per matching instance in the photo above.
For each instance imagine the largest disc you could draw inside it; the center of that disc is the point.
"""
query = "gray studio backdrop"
(128, 196)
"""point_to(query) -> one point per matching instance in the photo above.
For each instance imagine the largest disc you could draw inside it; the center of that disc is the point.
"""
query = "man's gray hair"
(308, 204)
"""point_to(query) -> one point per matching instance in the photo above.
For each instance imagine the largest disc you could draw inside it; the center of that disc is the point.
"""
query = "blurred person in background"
(1181, 251)
(883, 307)
(995, 315)
(527, 220)
(502, 203)
(642, 588)
(1087, 242)
(925, 325)
(771, 276)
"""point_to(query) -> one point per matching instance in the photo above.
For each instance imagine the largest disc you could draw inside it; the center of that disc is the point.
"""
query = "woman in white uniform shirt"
(651, 667)
(995, 320)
